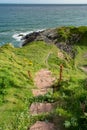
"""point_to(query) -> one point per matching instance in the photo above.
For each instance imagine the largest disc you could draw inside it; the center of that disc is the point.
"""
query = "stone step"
(41, 125)
(44, 79)
(39, 108)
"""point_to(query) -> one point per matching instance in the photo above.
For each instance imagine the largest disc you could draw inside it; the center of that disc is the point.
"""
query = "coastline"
(43, 55)
(13, 22)
(63, 37)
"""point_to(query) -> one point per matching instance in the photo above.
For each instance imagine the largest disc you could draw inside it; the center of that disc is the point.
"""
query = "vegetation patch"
(18, 67)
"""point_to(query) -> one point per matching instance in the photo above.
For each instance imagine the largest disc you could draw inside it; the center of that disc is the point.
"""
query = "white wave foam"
(18, 36)
(40, 30)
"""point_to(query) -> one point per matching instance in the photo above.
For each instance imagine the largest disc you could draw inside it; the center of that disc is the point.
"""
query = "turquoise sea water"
(22, 19)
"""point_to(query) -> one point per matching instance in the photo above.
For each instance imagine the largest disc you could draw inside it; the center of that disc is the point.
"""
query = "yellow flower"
(30, 63)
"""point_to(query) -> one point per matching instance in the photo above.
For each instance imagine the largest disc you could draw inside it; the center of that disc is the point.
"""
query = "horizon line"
(49, 3)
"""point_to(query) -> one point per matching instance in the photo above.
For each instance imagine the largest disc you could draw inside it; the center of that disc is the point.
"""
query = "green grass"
(16, 85)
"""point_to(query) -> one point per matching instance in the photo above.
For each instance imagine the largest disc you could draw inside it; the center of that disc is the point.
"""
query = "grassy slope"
(16, 85)
(14, 80)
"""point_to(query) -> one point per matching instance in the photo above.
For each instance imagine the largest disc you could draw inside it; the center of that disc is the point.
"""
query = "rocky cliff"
(64, 38)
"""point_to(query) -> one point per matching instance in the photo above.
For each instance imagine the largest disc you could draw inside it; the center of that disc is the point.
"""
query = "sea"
(17, 20)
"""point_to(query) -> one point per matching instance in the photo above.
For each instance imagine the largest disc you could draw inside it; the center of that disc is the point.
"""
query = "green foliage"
(64, 33)
(74, 104)
(46, 98)
(68, 34)
(16, 85)
(55, 61)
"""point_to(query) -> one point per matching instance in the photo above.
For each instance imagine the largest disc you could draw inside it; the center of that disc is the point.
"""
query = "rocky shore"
(62, 37)
(48, 36)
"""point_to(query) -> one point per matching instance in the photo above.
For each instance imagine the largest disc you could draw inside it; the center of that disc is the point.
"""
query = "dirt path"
(84, 68)
(46, 60)
(43, 80)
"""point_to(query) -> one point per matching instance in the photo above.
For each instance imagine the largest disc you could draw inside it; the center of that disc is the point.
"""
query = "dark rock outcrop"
(54, 36)
(49, 36)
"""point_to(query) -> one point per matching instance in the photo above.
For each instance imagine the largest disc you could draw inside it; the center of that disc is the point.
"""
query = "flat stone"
(44, 79)
(42, 126)
(38, 108)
